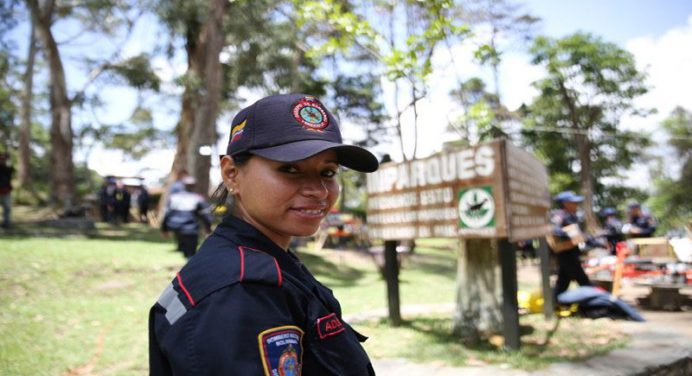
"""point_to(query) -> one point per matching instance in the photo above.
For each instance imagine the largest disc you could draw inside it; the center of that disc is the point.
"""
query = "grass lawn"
(78, 305)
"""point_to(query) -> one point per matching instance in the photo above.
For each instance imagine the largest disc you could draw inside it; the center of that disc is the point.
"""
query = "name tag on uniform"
(329, 325)
(281, 350)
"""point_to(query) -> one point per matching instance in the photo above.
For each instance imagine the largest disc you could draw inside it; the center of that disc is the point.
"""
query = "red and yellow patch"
(237, 131)
(281, 349)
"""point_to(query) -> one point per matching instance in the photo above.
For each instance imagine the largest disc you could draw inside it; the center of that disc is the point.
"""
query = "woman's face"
(284, 199)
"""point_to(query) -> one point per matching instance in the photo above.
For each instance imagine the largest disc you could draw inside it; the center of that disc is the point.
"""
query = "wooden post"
(510, 307)
(479, 295)
(391, 275)
(548, 303)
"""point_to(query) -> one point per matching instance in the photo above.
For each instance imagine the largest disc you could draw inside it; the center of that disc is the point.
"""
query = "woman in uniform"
(245, 304)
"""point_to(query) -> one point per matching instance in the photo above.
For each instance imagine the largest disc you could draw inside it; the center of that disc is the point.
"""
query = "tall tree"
(574, 122)
(23, 164)
(62, 176)
(671, 202)
(97, 17)
(483, 115)
(402, 36)
(506, 23)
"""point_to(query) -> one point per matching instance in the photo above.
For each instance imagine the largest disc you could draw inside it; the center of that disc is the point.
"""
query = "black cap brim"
(353, 157)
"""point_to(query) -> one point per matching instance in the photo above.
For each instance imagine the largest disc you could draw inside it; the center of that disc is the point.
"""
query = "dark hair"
(220, 197)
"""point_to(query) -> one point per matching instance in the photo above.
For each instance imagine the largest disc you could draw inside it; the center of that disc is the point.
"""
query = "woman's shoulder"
(221, 262)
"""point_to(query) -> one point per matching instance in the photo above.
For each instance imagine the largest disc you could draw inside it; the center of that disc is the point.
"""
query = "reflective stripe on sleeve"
(171, 303)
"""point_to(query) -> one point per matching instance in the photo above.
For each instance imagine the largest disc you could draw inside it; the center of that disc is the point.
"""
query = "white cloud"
(667, 60)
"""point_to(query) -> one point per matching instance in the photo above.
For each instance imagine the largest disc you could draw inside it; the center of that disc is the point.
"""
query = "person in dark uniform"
(123, 202)
(184, 213)
(6, 171)
(568, 261)
(245, 304)
(107, 201)
(613, 228)
(142, 203)
(639, 224)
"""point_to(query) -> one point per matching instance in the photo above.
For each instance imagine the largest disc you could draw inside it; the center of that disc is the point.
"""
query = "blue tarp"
(594, 303)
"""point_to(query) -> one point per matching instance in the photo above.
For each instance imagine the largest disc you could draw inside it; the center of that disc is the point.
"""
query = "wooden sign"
(491, 190)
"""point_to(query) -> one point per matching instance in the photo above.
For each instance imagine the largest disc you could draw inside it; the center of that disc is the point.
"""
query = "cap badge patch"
(281, 350)
(237, 131)
(309, 112)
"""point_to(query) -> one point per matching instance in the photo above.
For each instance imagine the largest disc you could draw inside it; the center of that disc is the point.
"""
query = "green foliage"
(484, 114)
(136, 138)
(671, 203)
(137, 72)
(8, 107)
(589, 85)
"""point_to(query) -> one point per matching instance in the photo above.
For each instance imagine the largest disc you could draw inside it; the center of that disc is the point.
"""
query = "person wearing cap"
(107, 201)
(6, 171)
(245, 304)
(184, 213)
(568, 261)
(639, 224)
(613, 228)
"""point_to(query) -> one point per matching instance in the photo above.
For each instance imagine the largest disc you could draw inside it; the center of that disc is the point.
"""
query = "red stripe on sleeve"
(278, 271)
(182, 286)
(242, 263)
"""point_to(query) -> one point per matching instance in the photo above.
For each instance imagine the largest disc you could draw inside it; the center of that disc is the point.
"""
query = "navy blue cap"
(293, 127)
(633, 205)
(608, 211)
(568, 196)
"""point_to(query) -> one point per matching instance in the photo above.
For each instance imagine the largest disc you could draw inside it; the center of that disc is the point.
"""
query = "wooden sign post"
(490, 191)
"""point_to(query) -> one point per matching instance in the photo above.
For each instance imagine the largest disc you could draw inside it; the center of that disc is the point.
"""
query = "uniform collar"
(245, 234)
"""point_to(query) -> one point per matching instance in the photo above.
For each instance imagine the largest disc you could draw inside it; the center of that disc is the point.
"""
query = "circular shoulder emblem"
(309, 112)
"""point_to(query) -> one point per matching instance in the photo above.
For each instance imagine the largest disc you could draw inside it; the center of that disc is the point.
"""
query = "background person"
(569, 261)
(613, 228)
(142, 199)
(122, 203)
(107, 200)
(639, 224)
(245, 304)
(186, 210)
(6, 171)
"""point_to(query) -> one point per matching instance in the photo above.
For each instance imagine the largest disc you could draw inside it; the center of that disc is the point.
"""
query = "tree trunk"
(24, 160)
(581, 138)
(584, 149)
(61, 163)
(479, 290)
(210, 43)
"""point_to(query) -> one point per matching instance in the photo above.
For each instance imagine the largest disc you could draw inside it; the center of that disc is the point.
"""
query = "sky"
(657, 33)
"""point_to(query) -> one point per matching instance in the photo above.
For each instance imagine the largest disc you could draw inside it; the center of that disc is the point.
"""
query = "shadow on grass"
(541, 344)
(342, 275)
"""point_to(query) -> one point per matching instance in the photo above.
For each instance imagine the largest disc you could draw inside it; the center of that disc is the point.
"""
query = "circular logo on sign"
(309, 112)
(476, 208)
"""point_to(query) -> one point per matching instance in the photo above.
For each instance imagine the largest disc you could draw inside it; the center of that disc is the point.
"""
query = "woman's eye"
(329, 173)
(288, 169)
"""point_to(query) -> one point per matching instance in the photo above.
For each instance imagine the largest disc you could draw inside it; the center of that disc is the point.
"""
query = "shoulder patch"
(260, 267)
(329, 325)
(281, 349)
(170, 301)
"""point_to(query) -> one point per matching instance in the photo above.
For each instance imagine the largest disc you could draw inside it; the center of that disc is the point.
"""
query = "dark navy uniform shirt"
(645, 223)
(244, 306)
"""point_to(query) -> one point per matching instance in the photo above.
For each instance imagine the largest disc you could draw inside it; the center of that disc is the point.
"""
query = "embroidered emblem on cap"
(329, 325)
(237, 131)
(281, 349)
(309, 112)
